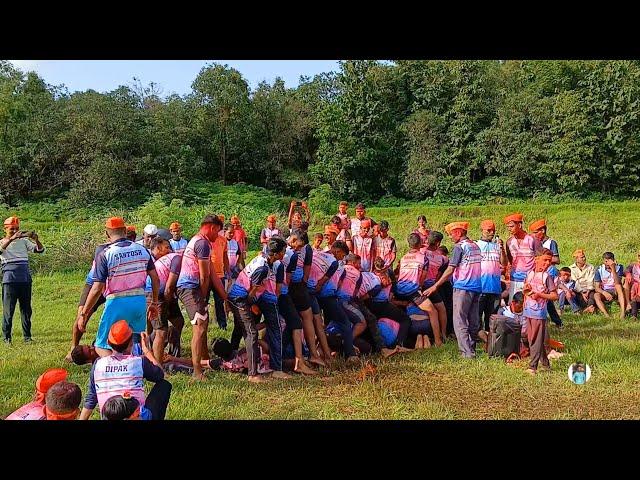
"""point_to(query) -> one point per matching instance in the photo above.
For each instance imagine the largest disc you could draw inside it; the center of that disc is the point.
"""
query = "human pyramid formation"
(340, 295)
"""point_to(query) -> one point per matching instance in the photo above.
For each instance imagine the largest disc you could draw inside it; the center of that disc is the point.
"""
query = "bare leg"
(598, 298)
(428, 307)
(322, 336)
(310, 336)
(359, 328)
(419, 342)
(300, 365)
(627, 295)
(76, 334)
(442, 318)
(158, 344)
(199, 332)
(621, 298)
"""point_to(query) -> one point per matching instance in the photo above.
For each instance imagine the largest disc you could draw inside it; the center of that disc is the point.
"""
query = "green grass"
(431, 384)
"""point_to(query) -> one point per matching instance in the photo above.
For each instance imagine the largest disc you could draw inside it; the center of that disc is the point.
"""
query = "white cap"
(151, 229)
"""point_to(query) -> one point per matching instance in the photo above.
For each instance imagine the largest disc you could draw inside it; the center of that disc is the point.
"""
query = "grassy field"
(429, 384)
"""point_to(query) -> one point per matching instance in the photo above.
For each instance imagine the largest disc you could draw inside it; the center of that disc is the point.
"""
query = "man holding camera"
(16, 278)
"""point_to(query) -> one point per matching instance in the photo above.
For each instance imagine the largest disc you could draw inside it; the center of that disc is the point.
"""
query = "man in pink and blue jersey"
(323, 283)
(168, 266)
(436, 265)
(465, 269)
(608, 284)
(363, 246)
(193, 288)
(521, 252)
(178, 242)
(120, 274)
(256, 284)
(123, 373)
(493, 259)
(385, 246)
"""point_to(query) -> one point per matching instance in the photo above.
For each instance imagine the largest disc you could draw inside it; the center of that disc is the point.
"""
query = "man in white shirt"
(16, 278)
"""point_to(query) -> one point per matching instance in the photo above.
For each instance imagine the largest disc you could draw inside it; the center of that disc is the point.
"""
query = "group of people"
(298, 304)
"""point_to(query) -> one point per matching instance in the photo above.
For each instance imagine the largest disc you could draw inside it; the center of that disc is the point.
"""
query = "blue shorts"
(132, 309)
(315, 306)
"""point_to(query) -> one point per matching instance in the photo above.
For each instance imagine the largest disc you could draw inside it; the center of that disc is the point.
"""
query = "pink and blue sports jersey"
(490, 267)
(370, 285)
(523, 253)
(233, 252)
(437, 264)
(92, 272)
(385, 248)
(123, 267)
(388, 331)
(284, 267)
(552, 245)
(178, 246)
(412, 264)
(364, 248)
(117, 374)
(345, 221)
(323, 265)
(198, 248)
(259, 273)
(385, 292)
(170, 263)
(540, 282)
(605, 277)
(268, 233)
(467, 258)
(351, 279)
(305, 257)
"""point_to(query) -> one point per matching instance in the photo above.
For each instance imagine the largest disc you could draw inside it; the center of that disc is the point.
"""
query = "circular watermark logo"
(579, 373)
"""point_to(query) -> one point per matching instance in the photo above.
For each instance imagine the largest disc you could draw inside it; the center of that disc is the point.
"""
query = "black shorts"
(287, 309)
(169, 312)
(85, 294)
(300, 295)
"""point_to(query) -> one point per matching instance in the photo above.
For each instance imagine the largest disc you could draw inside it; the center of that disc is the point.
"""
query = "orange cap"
(331, 229)
(578, 253)
(487, 225)
(537, 225)
(115, 222)
(235, 220)
(271, 218)
(456, 225)
(120, 332)
(514, 217)
(11, 221)
(175, 226)
(49, 378)
(131, 228)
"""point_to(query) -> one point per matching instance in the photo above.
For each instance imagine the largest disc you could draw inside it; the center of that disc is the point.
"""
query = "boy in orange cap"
(364, 247)
(121, 372)
(539, 230)
(493, 259)
(521, 251)
(15, 248)
(539, 288)
(178, 242)
(34, 409)
(121, 270)
(465, 269)
(331, 233)
(269, 231)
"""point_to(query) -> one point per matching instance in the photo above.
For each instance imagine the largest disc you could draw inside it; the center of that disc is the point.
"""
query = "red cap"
(11, 221)
(115, 222)
(49, 378)
(120, 332)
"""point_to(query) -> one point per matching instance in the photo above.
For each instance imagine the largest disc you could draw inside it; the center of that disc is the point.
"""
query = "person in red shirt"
(240, 236)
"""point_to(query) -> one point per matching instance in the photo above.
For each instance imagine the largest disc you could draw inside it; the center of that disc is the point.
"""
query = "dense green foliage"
(441, 130)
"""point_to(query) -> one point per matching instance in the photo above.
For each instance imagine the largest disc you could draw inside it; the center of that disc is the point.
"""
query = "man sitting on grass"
(583, 274)
(632, 287)
(608, 284)
(33, 410)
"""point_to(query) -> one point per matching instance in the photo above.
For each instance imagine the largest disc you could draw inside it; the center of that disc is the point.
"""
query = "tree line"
(449, 130)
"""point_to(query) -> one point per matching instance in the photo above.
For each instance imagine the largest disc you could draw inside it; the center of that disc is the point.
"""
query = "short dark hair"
(340, 245)
(119, 408)
(63, 397)
(421, 217)
(384, 225)
(565, 269)
(276, 245)
(158, 241)
(344, 203)
(435, 237)
(414, 240)
(378, 263)
(444, 249)
(518, 297)
(352, 257)
(546, 251)
(78, 357)
(301, 234)
(210, 219)
(360, 206)
(335, 220)
(227, 226)
(318, 235)
(608, 256)
(221, 347)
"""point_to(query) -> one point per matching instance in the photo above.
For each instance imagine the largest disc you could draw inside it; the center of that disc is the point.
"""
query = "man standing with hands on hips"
(16, 278)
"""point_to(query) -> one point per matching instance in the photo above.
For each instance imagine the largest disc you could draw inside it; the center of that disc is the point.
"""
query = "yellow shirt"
(583, 277)
(218, 254)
